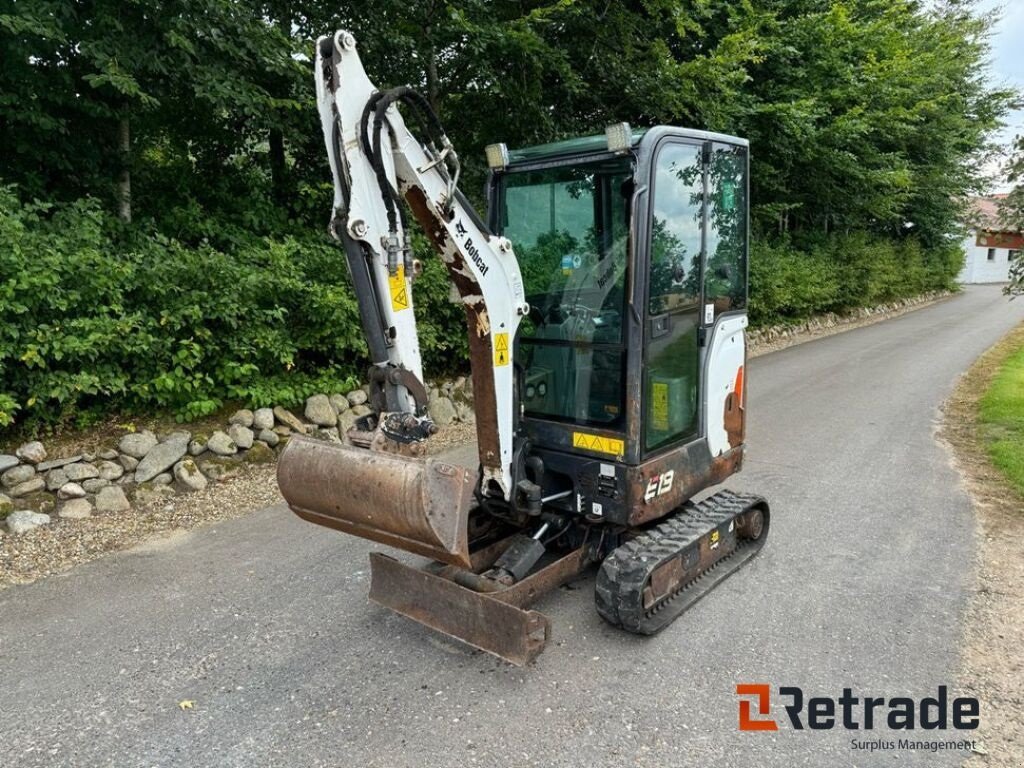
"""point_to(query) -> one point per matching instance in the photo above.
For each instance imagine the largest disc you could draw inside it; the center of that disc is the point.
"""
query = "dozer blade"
(478, 619)
(418, 505)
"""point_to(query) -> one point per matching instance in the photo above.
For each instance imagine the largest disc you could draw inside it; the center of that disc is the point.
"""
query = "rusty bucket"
(417, 505)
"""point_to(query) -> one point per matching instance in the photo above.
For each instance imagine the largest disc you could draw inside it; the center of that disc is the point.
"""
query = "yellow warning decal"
(610, 445)
(500, 349)
(399, 290)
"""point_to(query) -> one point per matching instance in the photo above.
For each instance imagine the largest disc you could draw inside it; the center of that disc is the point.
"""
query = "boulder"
(320, 411)
(465, 413)
(45, 466)
(339, 402)
(221, 444)
(241, 436)
(75, 509)
(358, 397)
(243, 417)
(112, 499)
(55, 478)
(282, 431)
(40, 501)
(196, 447)
(269, 437)
(25, 520)
(32, 452)
(71, 491)
(6, 505)
(17, 475)
(260, 454)
(188, 475)
(93, 484)
(262, 418)
(162, 457)
(7, 461)
(108, 455)
(442, 411)
(128, 462)
(360, 410)
(31, 485)
(81, 471)
(290, 420)
(110, 471)
(149, 493)
(137, 444)
(220, 468)
(328, 434)
(346, 421)
(164, 478)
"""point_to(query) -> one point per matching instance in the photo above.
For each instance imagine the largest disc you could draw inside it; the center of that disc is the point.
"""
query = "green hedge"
(96, 318)
(790, 282)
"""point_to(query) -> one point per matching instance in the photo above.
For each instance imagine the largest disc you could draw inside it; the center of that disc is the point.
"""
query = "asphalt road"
(263, 621)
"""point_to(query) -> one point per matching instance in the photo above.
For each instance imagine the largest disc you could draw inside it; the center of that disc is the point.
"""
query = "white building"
(990, 248)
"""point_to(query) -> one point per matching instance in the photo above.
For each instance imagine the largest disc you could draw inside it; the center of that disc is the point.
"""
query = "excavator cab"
(634, 261)
(605, 299)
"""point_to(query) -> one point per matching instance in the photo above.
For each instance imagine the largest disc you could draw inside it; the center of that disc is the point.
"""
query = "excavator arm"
(375, 159)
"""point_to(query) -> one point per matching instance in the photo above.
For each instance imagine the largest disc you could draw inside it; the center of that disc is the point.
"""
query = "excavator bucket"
(417, 505)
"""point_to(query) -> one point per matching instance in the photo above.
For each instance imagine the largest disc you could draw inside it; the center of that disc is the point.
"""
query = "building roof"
(983, 212)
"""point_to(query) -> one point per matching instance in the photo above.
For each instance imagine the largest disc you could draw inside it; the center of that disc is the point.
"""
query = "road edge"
(763, 341)
(991, 664)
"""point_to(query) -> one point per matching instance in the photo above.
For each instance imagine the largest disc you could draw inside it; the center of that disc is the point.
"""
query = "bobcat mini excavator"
(605, 301)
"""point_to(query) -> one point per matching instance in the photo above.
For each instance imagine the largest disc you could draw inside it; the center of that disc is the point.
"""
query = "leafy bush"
(792, 282)
(96, 318)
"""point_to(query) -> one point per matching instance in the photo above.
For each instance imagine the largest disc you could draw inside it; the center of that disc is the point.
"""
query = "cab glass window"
(725, 283)
(569, 226)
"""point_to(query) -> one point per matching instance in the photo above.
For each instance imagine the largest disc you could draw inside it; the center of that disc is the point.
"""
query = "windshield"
(570, 228)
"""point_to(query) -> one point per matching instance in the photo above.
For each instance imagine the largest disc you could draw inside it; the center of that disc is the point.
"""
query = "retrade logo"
(853, 712)
(762, 696)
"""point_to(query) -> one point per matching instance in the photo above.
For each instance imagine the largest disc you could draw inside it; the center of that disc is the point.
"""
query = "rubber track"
(626, 571)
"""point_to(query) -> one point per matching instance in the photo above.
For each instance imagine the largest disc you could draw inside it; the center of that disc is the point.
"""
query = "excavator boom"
(389, 494)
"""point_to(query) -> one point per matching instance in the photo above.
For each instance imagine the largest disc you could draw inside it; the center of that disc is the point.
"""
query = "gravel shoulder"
(993, 664)
(58, 547)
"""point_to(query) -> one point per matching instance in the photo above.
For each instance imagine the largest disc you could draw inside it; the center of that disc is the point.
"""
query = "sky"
(1007, 65)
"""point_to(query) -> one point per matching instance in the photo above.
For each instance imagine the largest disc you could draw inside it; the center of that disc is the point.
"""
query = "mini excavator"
(605, 299)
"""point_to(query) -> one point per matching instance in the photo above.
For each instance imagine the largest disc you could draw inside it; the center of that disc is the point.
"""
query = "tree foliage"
(1011, 214)
(866, 119)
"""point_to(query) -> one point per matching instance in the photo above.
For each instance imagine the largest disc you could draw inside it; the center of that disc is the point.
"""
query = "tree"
(1011, 213)
(106, 82)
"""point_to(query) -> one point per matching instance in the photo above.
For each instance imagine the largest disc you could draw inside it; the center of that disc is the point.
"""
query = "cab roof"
(581, 145)
(584, 145)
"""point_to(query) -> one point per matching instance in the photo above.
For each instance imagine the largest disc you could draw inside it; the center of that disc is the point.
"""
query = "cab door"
(673, 310)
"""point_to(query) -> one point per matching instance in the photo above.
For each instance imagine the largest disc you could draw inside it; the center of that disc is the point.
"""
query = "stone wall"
(774, 337)
(144, 467)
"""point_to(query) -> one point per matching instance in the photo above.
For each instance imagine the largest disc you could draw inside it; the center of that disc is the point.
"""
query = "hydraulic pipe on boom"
(374, 159)
(418, 505)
